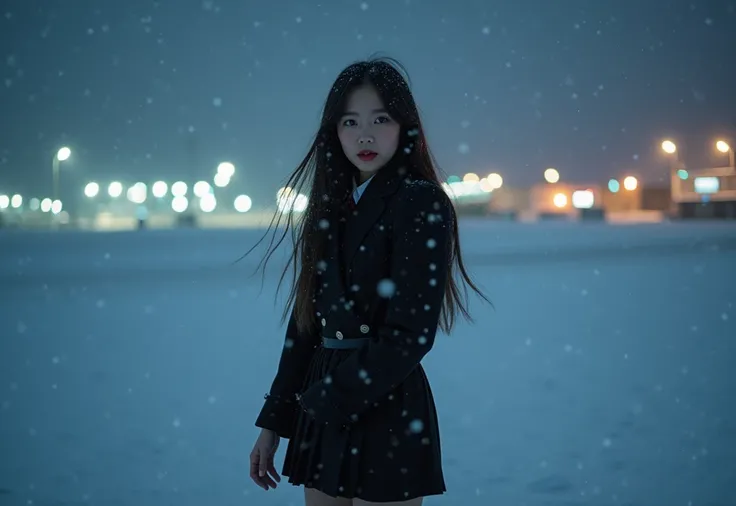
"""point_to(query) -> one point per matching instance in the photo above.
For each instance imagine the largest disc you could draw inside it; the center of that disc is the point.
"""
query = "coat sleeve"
(419, 267)
(281, 408)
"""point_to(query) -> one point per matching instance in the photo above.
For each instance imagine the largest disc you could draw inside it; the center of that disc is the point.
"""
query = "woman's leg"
(410, 502)
(313, 497)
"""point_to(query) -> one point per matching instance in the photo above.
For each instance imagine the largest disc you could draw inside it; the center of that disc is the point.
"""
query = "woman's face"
(368, 135)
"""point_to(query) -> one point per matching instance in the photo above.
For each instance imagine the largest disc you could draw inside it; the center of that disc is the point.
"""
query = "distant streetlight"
(115, 189)
(159, 189)
(243, 203)
(669, 147)
(62, 155)
(551, 175)
(560, 200)
(227, 170)
(495, 180)
(91, 190)
(630, 183)
(724, 147)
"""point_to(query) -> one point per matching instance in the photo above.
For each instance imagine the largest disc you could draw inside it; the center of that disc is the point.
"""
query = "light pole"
(60, 156)
(723, 147)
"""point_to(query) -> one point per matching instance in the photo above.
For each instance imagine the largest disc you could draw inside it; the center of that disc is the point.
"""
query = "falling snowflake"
(431, 243)
(386, 288)
(463, 149)
(364, 6)
(217, 102)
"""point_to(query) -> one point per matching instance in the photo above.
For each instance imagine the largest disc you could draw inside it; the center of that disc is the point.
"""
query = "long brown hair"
(329, 173)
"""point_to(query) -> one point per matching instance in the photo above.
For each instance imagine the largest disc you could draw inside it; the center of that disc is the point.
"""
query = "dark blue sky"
(143, 89)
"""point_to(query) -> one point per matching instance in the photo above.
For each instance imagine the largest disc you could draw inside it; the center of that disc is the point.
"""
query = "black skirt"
(391, 454)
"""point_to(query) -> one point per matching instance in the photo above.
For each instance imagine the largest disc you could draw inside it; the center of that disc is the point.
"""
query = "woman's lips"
(367, 155)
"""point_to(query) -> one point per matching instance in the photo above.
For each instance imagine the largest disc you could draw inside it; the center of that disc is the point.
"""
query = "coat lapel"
(370, 207)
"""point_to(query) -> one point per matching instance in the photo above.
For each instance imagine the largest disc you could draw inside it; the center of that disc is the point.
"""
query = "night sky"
(147, 90)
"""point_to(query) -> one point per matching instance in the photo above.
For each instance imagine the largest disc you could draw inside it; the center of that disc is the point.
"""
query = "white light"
(4, 201)
(45, 205)
(630, 183)
(287, 200)
(560, 200)
(669, 147)
(63, 154)
(551, 175)
(706, 184)
(723, 146)
(495, 181)
(300, 203)
(226, 168)
(56, 206)
(16, 201)
(208, 203)
(179, 189)
(179, 204)
(159, 189)
(201, 188)
(35, 204)
(137, 193)
(115, 189)
(222, 180)
(243, 203)
(583, 199)
(91, 190)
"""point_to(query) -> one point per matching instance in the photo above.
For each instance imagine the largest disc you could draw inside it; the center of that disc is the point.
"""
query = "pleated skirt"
(391, 454)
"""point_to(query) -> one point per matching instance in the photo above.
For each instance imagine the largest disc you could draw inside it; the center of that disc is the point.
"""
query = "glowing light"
(669, 147)
(115, 189)
(201, 188)
(583, 199)
(179, 189)
(4, 201)
(45, 205)
(723, 146)
(682, 174)
(63, 154)
(560, 200)
(159, 189)
(56, 206)
(137, 193)
(551, 175)
(495, 180)
(227, 169)
(179, 204)
(91, 190)
(16, 201)
(207, 203)
(222, 180)
(706, 184)
(630, 183)
(243, 203)
(471, 177)
(614, 186)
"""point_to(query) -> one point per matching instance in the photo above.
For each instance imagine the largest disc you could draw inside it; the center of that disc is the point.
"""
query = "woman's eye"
(383, 119)
(348, 122)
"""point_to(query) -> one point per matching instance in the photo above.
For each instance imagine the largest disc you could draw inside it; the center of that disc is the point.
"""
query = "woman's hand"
(262, 470)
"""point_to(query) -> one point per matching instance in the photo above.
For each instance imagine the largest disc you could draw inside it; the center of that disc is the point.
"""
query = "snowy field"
(132, 367)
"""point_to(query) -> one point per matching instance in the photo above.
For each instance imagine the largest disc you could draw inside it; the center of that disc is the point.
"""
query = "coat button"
(338, 334)
(324, 322)
(364, 329)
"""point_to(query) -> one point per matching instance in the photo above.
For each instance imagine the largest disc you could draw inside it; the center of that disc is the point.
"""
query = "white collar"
(358, 190)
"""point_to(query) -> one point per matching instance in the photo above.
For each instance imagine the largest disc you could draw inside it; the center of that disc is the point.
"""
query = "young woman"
(373, 259)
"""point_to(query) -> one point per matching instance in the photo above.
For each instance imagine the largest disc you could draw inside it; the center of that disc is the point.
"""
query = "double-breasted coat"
(362, 422)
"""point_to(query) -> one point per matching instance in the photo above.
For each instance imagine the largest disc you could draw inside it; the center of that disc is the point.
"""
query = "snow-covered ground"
(132, 367)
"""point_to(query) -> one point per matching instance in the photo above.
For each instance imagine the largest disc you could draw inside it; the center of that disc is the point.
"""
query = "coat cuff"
(316, 402)
(279, 415)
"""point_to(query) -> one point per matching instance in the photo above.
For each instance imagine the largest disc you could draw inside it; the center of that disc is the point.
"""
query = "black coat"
(362, 422)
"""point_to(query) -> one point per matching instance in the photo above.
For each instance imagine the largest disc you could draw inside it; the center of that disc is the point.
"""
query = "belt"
(344, 344)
